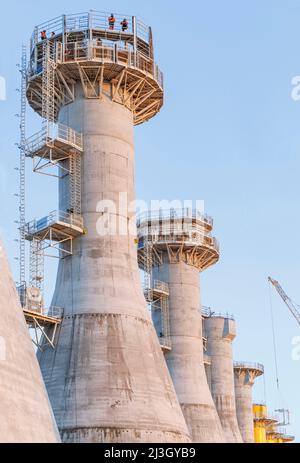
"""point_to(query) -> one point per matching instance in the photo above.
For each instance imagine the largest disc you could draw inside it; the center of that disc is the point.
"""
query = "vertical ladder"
(48, 115)
(148, 249)
(22, 219)
(165, 319)
(36, 264)
(75, 183)
(48, 85)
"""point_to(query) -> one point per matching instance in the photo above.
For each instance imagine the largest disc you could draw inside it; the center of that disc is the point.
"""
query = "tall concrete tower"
(177, 245)
(220, 332)
(244, 377)
(106, 378)
(26, 415)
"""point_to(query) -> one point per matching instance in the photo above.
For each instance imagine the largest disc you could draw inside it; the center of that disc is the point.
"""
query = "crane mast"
(288, 302)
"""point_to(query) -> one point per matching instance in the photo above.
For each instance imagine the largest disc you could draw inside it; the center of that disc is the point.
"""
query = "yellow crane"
(288, 302)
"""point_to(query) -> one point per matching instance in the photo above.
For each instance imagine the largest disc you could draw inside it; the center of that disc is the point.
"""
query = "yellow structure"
(266, 427)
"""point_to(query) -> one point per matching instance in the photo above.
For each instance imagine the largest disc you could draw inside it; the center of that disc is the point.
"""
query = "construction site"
(126, 352)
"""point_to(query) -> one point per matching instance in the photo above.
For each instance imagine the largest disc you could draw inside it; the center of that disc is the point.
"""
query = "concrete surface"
(25, 411)
(107, 379)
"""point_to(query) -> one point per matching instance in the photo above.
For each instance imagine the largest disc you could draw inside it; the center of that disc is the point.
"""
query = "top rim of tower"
(258, 368)
(93, 19)
(89, 48)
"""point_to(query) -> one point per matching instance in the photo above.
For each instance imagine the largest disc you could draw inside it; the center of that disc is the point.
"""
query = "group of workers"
(111, 24)
(112, 20)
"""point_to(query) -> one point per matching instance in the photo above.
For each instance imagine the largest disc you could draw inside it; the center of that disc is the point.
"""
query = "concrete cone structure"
(26, 415)
(220, 332)
(107, 379)
(182, 246)
(244, 378)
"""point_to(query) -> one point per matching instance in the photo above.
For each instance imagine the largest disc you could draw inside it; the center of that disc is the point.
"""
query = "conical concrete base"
(107, 378)
(25, 412)
(220, 332)
(185, 360)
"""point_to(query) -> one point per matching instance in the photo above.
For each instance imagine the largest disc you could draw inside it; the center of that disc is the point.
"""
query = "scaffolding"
(55, 145)
(22, 218)
(36, 262)
(75, 183)
(55, 233)
(44, 324)
(157, 295)
(48, 84)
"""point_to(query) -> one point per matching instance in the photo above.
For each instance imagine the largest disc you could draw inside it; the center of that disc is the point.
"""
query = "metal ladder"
(75, 183)
(36, 270)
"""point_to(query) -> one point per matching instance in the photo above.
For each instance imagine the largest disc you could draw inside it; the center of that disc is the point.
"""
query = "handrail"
(55, 312)
(160, 286)
(172, 214)
(191, 236)
(248, 366)
(36, 226)
(79, 22)
(103, 51)
(209, 313)
(54, 131)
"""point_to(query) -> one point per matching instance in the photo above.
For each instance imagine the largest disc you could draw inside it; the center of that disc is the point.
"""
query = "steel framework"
(22, 217)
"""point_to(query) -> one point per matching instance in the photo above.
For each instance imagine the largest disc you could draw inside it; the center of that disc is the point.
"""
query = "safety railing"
(55, 312)
(161, 286)
(209, 313)
(53, 132)
(194, 238)
(173, 214)
(36, 226)
(249, 366)
(99, 50)
(165, 342)
(96, 20)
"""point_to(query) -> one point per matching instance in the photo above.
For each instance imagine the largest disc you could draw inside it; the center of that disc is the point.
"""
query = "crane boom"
(288, 302)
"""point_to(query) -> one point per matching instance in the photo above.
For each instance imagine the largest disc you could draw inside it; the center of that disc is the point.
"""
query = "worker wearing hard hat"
(124, 25)
(111, 22)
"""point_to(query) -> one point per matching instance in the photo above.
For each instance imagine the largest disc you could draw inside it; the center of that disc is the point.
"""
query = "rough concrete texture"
(26, 415)
(220, 333)
(243, 381)
(107, 378)
(185, 360)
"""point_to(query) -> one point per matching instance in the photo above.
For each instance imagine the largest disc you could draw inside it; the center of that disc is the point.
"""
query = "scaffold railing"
(209, 313)
(51, 312)
(53, 218)
(82, 22)
(161, 287)
(54, 131)
(173, 215)
(192, 237)
(104, 52)
(249, 366)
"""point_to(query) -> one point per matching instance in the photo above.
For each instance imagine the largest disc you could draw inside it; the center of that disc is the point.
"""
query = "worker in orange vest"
(111, 22)
(43, 35)
(124, 25)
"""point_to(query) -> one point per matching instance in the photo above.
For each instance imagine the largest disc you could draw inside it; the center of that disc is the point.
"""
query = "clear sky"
(229, 134)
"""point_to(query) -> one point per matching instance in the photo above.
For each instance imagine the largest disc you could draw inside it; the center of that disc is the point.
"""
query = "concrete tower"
(244, 377)
(179, 245)
(220, 332)
(26, 415)
(107, 379)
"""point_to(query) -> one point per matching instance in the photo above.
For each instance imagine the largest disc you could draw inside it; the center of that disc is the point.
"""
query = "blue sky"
(229, 134)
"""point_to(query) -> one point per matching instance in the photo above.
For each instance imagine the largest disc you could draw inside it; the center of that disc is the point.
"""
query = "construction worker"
(111, 22)
(53, 34)
(43, 35)
(124, 25)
